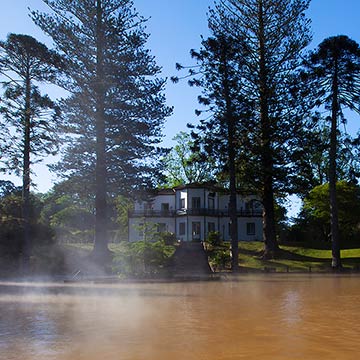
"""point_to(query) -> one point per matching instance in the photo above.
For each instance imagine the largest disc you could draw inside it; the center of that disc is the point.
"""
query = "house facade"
(192, 211)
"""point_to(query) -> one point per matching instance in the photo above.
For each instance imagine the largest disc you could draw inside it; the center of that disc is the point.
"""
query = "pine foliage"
(108, 63)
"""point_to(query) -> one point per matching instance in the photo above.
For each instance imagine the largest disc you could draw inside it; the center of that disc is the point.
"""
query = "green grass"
(291, 258)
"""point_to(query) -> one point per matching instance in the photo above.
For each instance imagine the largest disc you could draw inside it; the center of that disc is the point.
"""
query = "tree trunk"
(269, 232)
(230, 123)
(101, 239)
(26, 248)
(232, 201)
(334, 221)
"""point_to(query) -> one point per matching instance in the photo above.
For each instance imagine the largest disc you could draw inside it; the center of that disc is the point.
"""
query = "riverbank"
(73, 261)
(293, 257)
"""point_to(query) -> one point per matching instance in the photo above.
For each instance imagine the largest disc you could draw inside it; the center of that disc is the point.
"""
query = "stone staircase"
(190, 260)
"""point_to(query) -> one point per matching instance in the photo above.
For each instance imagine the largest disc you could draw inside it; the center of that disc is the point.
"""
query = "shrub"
(220, 258)
(214, 238)
(142, 259)
(168, 238)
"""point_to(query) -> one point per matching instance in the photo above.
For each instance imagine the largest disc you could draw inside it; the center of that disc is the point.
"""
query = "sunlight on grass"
(292, 258)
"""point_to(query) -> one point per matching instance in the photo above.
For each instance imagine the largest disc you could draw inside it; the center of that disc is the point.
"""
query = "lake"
(250, 317)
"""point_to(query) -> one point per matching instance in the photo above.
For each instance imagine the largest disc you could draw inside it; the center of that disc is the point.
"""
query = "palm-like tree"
(24, 63)
(335, 69)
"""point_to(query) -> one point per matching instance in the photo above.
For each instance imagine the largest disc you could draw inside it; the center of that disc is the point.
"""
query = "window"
(182, 228)
(250, 228)
(182, 203)
(165, 207)
(195, 203)
(211, 227)
(161, 227)
(211, 203)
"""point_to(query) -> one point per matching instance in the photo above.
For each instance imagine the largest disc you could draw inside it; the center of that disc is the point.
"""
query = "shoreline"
(217, 277)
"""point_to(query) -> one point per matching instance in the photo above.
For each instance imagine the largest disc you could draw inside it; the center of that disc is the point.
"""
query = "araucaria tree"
(270, 36)
(334, 68)
(31, 118)
(116, 107)
(220, 134)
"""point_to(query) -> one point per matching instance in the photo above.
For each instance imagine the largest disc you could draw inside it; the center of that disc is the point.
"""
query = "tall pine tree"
(270, 35)
(31, 117)
(222, 133)
(334, 68)
(116, 108)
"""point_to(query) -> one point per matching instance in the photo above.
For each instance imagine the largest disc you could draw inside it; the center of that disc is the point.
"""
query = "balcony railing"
(219, 212)
(194, 212)
(151, 213)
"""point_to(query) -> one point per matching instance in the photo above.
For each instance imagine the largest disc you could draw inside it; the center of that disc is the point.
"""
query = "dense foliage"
(185, 164)
(31, 118)
(315, 215)
(143, 259)
(12, 223)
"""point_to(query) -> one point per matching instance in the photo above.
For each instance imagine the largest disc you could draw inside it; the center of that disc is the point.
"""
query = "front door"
(196, 231)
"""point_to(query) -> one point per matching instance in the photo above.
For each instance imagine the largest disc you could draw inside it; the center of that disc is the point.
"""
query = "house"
(192, 211)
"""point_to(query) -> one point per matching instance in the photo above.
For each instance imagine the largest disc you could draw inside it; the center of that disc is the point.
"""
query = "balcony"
(193, 212)
(151, 213)
(218, 212)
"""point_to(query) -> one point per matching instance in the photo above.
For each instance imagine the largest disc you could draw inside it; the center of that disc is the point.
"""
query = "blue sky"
(175, 28)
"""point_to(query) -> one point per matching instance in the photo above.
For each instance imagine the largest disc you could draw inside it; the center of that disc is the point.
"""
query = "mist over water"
(254, 317)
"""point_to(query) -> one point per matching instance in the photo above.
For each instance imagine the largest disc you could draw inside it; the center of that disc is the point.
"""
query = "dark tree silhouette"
(221, 134)
(270, 36)
(24, 62)
(335, 69)
(116, 108)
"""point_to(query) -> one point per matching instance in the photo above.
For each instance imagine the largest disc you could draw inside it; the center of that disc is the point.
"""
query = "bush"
(11, 238)
(220, 259)
(168, 238)
(142, 259)
(214, 238)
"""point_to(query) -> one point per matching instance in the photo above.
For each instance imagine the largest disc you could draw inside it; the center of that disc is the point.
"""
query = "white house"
(192, 211)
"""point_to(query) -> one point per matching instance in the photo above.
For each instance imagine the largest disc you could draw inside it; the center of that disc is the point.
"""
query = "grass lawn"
(292, 258)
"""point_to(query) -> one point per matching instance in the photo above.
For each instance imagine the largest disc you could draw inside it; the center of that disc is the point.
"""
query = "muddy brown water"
(254, 317)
